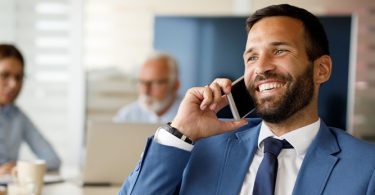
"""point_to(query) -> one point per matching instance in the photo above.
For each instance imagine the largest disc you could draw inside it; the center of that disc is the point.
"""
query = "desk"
(70, 188)
(73, 185)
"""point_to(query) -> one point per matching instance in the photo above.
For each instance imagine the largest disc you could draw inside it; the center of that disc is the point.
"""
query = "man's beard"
(154, 105)
(298, 95)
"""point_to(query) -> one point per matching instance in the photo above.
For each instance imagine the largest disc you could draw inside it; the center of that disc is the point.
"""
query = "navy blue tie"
(266, 176)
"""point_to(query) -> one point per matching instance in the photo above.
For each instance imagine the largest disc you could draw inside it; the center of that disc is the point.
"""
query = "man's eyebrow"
(248, 51)
(276, 43)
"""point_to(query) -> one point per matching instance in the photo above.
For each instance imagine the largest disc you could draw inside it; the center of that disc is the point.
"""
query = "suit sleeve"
(158, 172)
(371, 185)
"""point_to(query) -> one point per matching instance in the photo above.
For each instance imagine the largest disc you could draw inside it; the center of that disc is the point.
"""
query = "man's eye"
(4, 76)
(279, 51)
(252, 58)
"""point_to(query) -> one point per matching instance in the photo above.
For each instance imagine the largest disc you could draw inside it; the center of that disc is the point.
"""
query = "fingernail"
(228, 88)
(213, 106)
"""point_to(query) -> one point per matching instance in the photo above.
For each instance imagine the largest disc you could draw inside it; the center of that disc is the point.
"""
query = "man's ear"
(322, 69)
(176, 85)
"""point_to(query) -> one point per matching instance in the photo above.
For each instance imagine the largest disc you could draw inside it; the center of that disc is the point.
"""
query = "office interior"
(82, 58)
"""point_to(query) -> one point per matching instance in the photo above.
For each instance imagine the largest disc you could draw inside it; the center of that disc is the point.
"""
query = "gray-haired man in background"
(158, 86)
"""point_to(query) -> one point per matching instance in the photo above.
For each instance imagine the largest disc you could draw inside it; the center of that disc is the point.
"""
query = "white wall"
(48, 33)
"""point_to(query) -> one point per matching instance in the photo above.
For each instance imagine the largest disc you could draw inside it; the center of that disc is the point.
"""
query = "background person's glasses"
(5, 76)
(153, 83)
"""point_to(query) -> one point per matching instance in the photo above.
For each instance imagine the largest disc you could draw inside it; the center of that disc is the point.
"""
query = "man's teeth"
(269, 86)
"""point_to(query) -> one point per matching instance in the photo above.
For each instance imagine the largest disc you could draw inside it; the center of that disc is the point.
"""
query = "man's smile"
(269, 86)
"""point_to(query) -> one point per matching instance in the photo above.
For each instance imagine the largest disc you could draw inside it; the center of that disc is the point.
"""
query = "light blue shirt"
(16, 127)
(137, 113)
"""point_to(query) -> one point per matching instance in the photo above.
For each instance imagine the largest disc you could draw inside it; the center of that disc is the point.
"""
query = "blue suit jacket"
(335, 163)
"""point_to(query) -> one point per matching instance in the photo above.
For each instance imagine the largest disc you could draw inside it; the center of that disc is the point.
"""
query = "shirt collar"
(7, 109)
(299, 138)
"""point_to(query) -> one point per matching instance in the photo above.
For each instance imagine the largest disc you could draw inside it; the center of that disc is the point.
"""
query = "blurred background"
(82, 56)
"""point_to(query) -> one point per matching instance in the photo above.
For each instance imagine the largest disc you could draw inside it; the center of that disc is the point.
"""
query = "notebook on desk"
(113, 150)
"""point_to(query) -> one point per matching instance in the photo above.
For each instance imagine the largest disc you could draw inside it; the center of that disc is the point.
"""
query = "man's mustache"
(272, 75)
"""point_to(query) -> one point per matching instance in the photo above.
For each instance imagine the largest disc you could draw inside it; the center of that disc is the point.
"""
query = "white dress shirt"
(289, 160)
(137, 113)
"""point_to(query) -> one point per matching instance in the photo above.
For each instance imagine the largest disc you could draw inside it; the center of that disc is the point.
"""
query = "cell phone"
(240, 102)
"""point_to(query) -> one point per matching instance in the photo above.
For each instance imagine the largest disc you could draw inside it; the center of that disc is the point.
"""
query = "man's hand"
(6, 168)
(196, 116)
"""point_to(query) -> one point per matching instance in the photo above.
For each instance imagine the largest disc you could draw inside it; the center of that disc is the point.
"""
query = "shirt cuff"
(165, 138)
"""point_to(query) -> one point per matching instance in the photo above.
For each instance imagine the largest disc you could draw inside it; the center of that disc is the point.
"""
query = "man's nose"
(264, 64)
(13, 82)
(146, 88)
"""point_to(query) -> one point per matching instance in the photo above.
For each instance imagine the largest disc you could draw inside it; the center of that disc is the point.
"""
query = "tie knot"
(274, 146)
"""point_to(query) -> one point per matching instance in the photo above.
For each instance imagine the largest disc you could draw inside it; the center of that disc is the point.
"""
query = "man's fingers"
(207, 98)
(216, 91)
(218, 86)
(225, 84)
(222, 103)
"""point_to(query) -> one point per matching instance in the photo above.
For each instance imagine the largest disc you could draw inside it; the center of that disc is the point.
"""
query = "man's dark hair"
(10, 51)
(315, 35)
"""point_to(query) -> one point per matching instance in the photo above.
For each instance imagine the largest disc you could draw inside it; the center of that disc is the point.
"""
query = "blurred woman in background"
(15, 126)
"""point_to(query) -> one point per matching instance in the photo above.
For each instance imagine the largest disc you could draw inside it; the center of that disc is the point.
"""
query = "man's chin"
(267, 105)
(6, 102)
(270, 112)
(156, 106)
(271, 115)
(153, 107)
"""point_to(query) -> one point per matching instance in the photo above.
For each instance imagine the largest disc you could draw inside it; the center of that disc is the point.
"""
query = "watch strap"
(177, 133)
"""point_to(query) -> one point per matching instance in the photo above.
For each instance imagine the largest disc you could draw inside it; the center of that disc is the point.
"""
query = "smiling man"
(280, 73)
(289, 150)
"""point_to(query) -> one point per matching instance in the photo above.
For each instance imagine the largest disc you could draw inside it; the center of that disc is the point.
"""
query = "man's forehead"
(11, 65)
(156, 64)
(275, 29)
(154, 69)
(278, 24)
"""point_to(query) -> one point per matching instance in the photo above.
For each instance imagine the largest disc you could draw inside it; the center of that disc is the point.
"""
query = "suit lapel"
(240, 151)
(318, 163)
